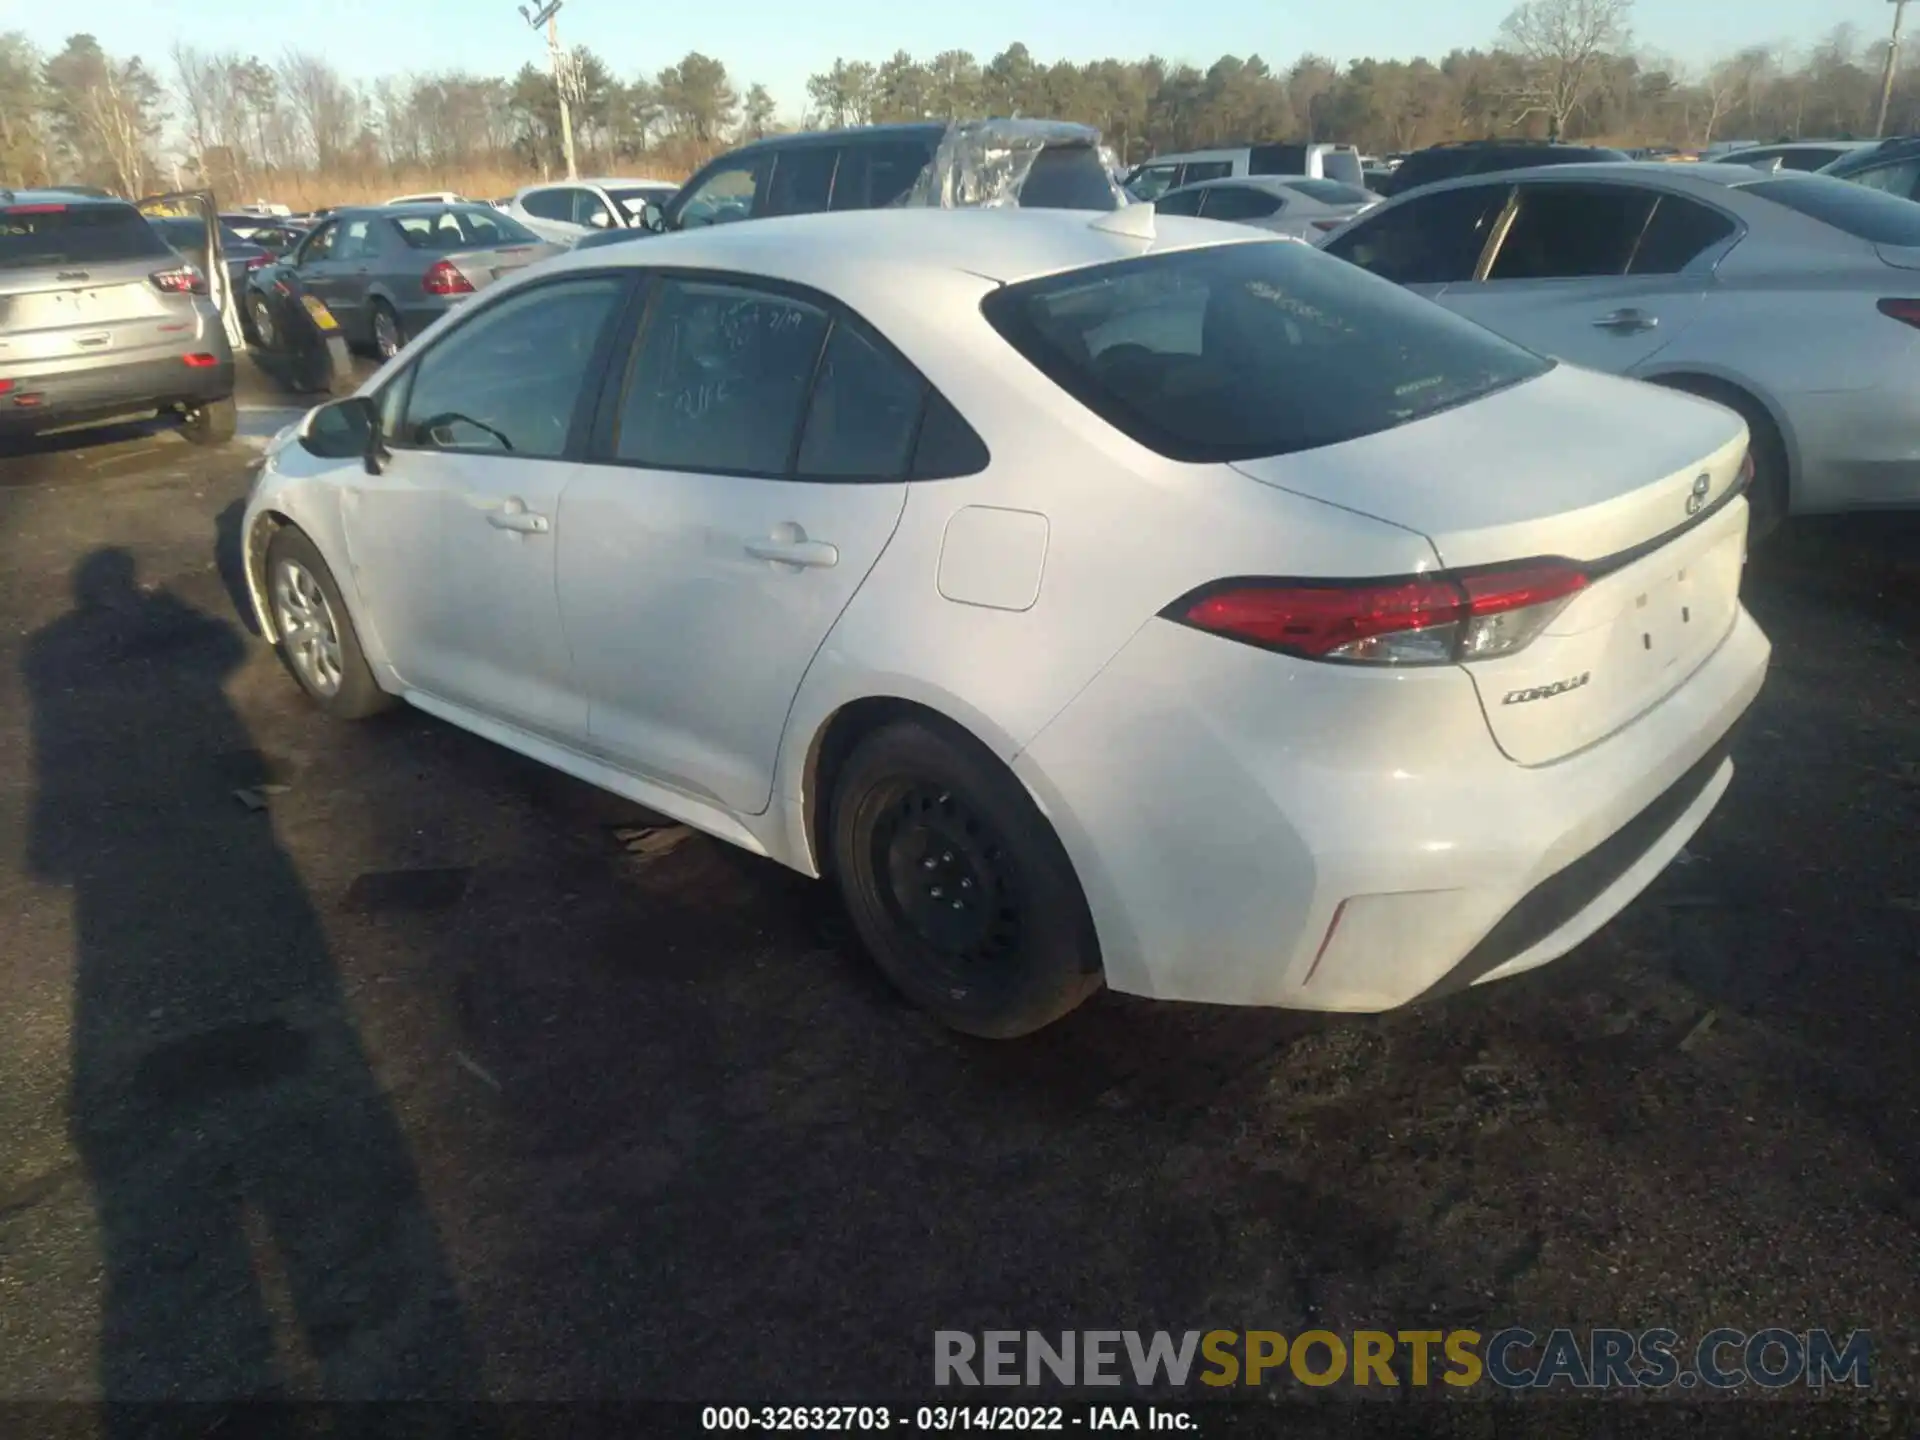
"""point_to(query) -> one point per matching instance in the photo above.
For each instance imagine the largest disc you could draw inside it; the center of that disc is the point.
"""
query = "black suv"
(878, 165)
(1481, 157)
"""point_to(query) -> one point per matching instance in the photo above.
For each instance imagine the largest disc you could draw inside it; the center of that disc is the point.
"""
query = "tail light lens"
(1907, 312)
(200, 361)
(443, 279)
(180, 280)
(1441, 619)
(259, 262)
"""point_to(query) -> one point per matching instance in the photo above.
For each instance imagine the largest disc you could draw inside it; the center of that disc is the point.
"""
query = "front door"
(453, 544)
(1600, 275)
(733, 508)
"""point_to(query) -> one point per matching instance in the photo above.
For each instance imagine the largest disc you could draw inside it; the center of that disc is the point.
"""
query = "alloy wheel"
(308, 630)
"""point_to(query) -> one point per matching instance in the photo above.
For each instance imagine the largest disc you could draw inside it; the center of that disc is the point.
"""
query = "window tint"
(720, 379)
(864, 408)
(509, 380)
(1236, 351)
(802, 179)
(1240, 202)
(1568, 231)
(1068, 177)
(872, 176)
(948, 447)
(1277, 160)
(1196, 170)
(1870, 215)
(1808, 159)
(80, 234)
(554, 204)
(1429, 240)
(451, 230)
(1153, 181)
(353, 242)
(1330, 192)
(1675, 236)
(1180, 202)
(1902, 180)
(728, 193)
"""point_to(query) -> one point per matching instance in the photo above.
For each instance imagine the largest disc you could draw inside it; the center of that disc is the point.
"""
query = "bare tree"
(1730, 85)
(1562, 43)
(326, 107)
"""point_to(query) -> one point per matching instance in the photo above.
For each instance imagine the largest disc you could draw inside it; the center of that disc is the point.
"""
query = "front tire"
(958, 886)
(317, 642)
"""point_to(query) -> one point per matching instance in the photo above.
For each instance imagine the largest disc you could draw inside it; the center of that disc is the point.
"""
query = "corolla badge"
(1547, 692)
(1702, 485)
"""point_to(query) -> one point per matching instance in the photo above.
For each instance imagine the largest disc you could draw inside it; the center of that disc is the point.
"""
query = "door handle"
(1627, 322)
(798, 551)
(523, 522)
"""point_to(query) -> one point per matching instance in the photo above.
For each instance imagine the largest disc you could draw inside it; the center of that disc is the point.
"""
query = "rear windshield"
(1871, 215)
(75, 235)
(1243, 350)
(1068, 177)
(450, 230)
(1330, 192)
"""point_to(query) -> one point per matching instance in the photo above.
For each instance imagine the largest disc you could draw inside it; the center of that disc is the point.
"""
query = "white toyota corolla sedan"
(1098, 600)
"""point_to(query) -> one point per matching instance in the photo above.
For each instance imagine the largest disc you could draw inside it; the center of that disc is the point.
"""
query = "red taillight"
(32, 209)
(201, 362)
(1907, 312)
(1439, 619)
(181, 280)
(6, 387)
(259, 262)
(442, 279)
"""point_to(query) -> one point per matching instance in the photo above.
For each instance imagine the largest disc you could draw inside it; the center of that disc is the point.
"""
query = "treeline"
(247, 125)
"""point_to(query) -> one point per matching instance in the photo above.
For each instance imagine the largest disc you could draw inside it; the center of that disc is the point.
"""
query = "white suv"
(565, 210)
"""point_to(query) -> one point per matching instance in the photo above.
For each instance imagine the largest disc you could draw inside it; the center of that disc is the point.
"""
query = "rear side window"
(873, 176)
(802, 179)
(1240, 202)
(1237, 351)
(1277, 160)
(1572, 231)
(75, 235)
(1330, 192)
(1870, 215)
(948, 447)
(549, 204)
(1902, 180)
(861, 419)
(1195, 171)
(1675, 237)
(1180, 202)
(1152, 181)
(1428, 240)
(1067, 177)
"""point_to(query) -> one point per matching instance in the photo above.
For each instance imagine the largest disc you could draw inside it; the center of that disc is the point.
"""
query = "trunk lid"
(483, 267)
(56, 312)
(1633, 483)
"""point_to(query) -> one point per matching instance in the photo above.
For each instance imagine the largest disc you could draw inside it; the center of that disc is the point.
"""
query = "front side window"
(728, 193)
(1572, 231)
(507, 382)
(865, 406)
(1427, 240)
(1240, 202)
(353, 243)
(319, 245)
(590, 209)
(1237, 351)
(1195, 171)
(720, 379)
(1152, 181)
(802, 180)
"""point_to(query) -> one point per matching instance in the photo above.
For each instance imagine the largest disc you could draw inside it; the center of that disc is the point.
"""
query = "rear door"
(1602, 275)
(199, 205)
(738, 493)
(76, 281)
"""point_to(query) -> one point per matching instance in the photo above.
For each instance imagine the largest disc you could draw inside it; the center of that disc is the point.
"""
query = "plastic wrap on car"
(982, 164)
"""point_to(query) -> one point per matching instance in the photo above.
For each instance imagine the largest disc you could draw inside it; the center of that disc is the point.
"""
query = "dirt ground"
(401, 1077)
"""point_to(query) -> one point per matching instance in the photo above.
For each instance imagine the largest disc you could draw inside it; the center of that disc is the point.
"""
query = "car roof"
(1259, 182)
(1798, 145)
(601, 180)
(54, 195)
(853, 252)
(908, 130)
(1704, 174)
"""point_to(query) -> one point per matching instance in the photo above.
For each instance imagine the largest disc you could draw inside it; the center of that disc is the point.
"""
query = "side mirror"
(346, 429)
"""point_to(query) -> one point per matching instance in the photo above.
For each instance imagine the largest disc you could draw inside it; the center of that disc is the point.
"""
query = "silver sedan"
(1302, 206)
(1793, 299)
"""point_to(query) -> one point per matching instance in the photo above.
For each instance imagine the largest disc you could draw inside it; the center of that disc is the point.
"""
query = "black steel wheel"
(957, 885)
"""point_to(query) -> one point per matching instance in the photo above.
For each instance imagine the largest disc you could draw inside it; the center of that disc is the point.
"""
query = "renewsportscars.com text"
(1510, 1359)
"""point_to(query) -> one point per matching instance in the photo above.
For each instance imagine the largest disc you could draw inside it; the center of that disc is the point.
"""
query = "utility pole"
(1893, 60)
(562, 74)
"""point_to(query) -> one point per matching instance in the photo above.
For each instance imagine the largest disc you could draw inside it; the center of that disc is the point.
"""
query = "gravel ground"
(402, 1077)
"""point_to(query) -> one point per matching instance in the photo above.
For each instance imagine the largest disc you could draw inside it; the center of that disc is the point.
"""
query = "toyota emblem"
(1702, 484)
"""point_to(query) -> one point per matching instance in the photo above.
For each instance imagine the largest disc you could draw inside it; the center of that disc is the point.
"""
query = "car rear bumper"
(1255, 830)
(53, 399)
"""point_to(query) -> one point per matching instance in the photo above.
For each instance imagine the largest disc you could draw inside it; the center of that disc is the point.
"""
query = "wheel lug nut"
(937, 893)
(947, 858)
(958, 905)
(928, 863)
(965, 884)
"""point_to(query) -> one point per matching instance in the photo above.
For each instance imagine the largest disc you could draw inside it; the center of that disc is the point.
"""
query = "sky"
(763, 40)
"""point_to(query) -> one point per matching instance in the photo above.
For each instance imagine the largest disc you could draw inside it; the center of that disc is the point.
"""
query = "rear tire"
(213, 423)
(1768, 495)
(318, 643)
(389, 336)
(958, 886)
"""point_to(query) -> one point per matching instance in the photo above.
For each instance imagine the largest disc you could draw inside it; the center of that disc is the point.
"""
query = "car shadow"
(235, 1134)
